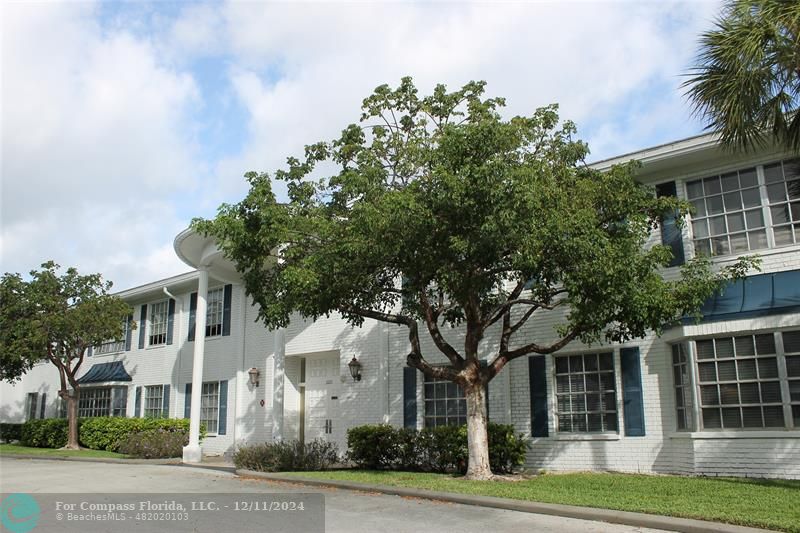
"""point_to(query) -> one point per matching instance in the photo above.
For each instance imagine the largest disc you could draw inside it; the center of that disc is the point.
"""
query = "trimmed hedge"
(98, 433)
(289, 456)
(438, 449)
(155, 443)
(10, 432)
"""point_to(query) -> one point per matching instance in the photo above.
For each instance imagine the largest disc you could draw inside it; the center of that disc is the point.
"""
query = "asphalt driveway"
(345, 511)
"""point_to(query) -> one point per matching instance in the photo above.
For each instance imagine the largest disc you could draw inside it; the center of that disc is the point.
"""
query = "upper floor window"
(586, 399)
(745, 381)
(113, 345)
(749, 209)
(214, 312)
(158, 323)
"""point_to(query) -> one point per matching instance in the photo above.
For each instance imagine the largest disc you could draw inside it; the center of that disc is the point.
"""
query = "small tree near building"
(56, 318)
(491, 223)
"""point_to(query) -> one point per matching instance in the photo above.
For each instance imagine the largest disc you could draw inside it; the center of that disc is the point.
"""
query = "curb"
(687, 525)
(112, 460)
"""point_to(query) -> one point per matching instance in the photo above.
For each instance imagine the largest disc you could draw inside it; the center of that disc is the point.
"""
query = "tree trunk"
(477, 433)
(72, 417)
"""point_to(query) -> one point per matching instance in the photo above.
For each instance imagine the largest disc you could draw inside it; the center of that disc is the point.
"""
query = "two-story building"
(716, 397)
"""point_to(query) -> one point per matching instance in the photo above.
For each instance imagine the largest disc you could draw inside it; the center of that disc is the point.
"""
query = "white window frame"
(113, 345)
(157, 331)
(89, 393)
(616, 376)
(208, 391)
(458, 399)
(695, 413)
(765, 208)
(215, 311)
(153, 405)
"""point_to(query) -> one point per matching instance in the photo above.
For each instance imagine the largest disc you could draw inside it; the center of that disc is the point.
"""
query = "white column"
(383, 367)
(278, 383)
(192, 452)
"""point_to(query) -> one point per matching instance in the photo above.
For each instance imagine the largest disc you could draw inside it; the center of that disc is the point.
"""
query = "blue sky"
(123, 121)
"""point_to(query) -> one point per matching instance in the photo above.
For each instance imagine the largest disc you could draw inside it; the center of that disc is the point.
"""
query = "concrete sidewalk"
(568, 511)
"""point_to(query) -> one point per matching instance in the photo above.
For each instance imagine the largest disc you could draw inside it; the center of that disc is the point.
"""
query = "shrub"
(287, 456)
(437, 449)
(155, 443)
(10, 432)
(45, 433)
(373, 446)
(109, 432)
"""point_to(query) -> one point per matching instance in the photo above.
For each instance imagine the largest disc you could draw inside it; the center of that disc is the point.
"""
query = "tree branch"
(504, 357)
(431, 320)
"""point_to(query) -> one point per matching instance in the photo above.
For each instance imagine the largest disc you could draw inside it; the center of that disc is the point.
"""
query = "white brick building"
(719, 397)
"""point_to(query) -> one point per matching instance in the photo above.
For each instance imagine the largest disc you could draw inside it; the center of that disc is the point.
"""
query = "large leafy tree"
(56, 318)
(436, 212)
(746, 81)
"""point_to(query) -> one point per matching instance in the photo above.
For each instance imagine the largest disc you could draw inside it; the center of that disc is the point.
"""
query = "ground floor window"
(742, 381)
(586, 393)
(153, 401)
(103, 401)
(209, 407)
(445, 404)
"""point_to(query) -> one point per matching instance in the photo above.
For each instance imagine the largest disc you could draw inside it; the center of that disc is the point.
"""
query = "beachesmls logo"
(20, 513)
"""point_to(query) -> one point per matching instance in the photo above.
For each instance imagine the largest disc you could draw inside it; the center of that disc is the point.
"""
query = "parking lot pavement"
(345, 511)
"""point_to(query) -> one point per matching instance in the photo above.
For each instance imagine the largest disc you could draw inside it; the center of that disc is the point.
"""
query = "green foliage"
(746, 82)
(437, 449)
(287, 456)
(45, 433)
(100, 433)
(155, 443)
(55, 318)
(10, 432)
(111, 432)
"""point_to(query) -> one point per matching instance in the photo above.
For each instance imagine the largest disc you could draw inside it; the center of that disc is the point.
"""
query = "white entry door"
(322, 391)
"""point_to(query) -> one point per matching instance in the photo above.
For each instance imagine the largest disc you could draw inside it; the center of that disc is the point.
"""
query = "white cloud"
(95, 141)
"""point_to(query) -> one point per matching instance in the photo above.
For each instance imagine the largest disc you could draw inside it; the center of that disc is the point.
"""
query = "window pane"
(796, 415)
(592, 382)
(717, 225)
(783, 235)
(714, 205)
(705, 349)
(770, 392)
(699, 208)
(773, 173)
(562, 365)
(590, 362)
(758, 239)
(765, 344)
(776, 192)
(711, 186)
(794, 391)
(780, 214)
(729, 393)
(754, 218)
(744, 346)
(726, 370)
(576, 383)
(707, 371)
(694, 189)
(751, 417)
(736, 222)
(576, 364)
(562, 384)
(793, 366)
(773, 417)
(767, 368)
(724, 347)
(748, 178)
(702, 247)
(712, 419)
(730, 181)
(747, 369)
(606, 361)
(794, 189)
(709, 395)
(749, 393)
(751, 198)
(595, 422)
(731, 417)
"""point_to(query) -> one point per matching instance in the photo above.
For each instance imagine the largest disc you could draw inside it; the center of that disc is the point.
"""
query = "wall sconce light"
(355, 369)
(254, 373)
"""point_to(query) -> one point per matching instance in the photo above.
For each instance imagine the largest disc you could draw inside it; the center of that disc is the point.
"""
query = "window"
(214, 312)
(586, 399)
(32, 403)
(683, 396)
(103, 401)
(741, 381)
(158, 323)
(154, 401)
(209, 407)
(114, 345)
(737, 211)
(445, 404)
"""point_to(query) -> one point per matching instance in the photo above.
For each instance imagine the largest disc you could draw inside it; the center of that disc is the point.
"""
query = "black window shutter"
(42, 405)
(128, 334)
(222, 424)
(142, 325)
(226, 310)
(137, 409)
(409, 397)
(187, 400)
(537, 373)
(632, 399)
(170, 320)
(165, 402)
(192, 315)
(670, 232)
(89, 351)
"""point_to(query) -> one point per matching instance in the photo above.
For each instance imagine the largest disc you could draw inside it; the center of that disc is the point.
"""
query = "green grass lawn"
(772, 504)
(16, 449)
